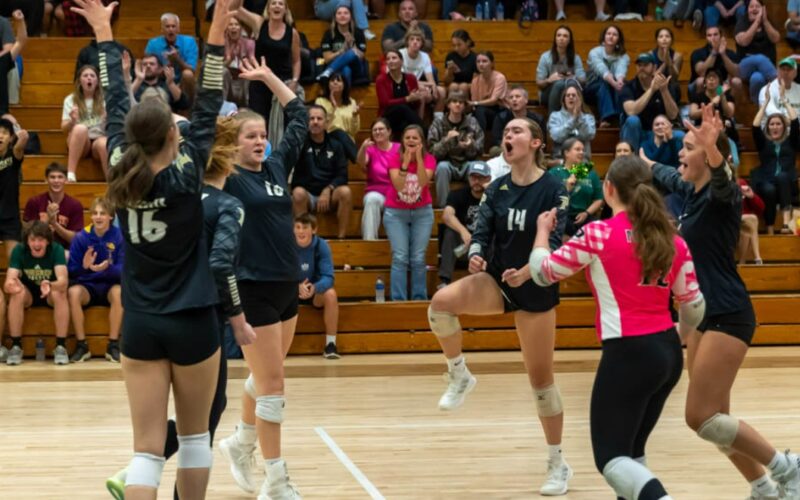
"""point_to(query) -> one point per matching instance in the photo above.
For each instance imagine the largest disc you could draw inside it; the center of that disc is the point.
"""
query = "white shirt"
(417, 67)
(792, 95)
(498, 167)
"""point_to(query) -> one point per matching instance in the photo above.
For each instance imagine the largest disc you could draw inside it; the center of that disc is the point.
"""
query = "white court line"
(349, 465)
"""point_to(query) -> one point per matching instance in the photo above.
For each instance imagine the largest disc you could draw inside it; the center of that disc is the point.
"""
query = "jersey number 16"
(149, 229)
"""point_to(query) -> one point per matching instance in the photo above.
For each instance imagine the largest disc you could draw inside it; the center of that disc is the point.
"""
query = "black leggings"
(633, 381)
(774, 192)
(401, 116)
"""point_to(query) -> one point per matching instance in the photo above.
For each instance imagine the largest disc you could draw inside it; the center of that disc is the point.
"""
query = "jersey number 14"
(516, 218)
(150, 230)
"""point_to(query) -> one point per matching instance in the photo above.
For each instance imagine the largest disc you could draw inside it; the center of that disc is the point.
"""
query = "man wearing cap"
(455, 140)
(460, 217)
(643, 98)
(783, 91)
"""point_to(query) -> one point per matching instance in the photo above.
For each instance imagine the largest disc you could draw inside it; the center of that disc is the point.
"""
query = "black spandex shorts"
(185, 337)
(268, 302)
(739, 324)
(10, 229)
(528, 297)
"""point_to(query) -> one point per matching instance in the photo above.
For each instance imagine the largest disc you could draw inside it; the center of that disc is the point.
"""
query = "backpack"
(678, 10)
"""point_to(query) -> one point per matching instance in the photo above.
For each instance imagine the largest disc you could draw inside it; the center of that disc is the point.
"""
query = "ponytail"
(131, 179)
(222, 158)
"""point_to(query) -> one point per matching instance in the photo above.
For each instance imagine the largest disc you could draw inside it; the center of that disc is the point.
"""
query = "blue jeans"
(409, 231)
(599, 92)
(633, 133)
(756, 70)
(347, 64)
(712, 15)
(325, 9)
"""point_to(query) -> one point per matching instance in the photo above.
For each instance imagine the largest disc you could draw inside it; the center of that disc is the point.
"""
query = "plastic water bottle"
(479, 11)
(380, 291)
(40, 349)
(659, 14)
(487, 11)
(501, 12)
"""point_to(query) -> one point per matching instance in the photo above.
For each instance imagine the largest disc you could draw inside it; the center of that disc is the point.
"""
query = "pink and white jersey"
(626, 306)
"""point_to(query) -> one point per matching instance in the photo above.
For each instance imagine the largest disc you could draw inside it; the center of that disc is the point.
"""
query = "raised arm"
(22, 34)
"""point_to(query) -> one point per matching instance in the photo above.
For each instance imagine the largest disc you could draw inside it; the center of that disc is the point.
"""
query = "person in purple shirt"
(63, 212)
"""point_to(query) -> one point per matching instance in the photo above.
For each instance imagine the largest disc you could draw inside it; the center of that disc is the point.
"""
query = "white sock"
(330, 339)
(779, 464)
(764, 486)
(554, 453)
(271, 461)
(246, 434)
(457, 364)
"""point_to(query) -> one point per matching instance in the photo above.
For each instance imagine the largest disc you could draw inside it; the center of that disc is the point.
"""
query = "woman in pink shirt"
(408, 217)
(487, 91)
(374, 156)
(632, 262)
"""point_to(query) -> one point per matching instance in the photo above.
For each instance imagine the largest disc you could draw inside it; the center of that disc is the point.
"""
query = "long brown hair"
(146, 128)
(653, 232)
(98, 104)
(222, 159)
(536, 133)
(421, 133)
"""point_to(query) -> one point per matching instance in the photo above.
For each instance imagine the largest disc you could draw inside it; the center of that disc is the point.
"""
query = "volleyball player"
(709, 222)
(268, 278)
(633, 260)
(500, 281)
(169, 330)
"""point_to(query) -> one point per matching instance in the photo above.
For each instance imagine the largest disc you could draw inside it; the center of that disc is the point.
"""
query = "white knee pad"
(194, 451)
(721, 429)
(548, 401)
(270, 408)
(443, 324)
(250, 387)
(145, 469)
(627, 477)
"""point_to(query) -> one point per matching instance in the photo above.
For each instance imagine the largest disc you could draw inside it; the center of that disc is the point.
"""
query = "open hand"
(255, 70)
(96, 14)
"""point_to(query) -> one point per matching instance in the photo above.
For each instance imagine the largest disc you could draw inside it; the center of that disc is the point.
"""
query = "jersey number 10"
(516, 218)
(149, 229)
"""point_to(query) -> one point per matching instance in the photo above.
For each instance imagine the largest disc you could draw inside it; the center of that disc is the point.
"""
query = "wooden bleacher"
(399, 327)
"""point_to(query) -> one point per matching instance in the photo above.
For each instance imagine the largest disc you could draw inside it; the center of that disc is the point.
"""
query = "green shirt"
(33, 270)
(586, 190)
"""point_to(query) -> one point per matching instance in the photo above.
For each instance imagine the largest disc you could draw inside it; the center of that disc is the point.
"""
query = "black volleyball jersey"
(10, 178)
(709, 222)
(267, 250)
(166, 265)
(507, 220)
(223, 216)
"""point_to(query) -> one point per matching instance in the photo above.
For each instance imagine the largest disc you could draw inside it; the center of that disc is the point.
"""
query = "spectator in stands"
(8, 55)
(90, 55)
(661, 145)
(37, 276)
(723, 11)
(95, 269)
(516, 106)
(375, 156)
(61, 211)
(557, 68)
(418, 63)
(408, 217)
(83, 121)
(718, 93)
(752, 209)
(793, 22)
(572, 120)
(399, 96)
(755, 45)
(623, 149)
(316, 274)
(179, 51)
(149, 73)
(75, 25)
(237, 49)
(785, 87)
(408, 15)
(342, 110)
(600, 6)
(12, 153)
(775, 180)
(715, 55)
(325, 10)
(320, 176)
(488, 90)
(667, 59)
(460, 64)
(456, 141)
(608, 67)
(585, 188)
(343, 48)
(53, 9)
(643, 98)
(279, 43)
(460, 217)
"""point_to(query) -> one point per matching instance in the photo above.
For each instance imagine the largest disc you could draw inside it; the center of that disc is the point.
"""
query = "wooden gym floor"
(367, 426)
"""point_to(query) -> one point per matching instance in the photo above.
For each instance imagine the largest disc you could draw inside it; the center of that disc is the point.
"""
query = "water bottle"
(380, 291)
(487, 11)
(659, 14)
(479, 11)
(40, 349)
(501, 12)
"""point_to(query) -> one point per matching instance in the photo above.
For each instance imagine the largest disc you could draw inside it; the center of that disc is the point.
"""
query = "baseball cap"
(479, 168)
(788, 61)
(645, 58)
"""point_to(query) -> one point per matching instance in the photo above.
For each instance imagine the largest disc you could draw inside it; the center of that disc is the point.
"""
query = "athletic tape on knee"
(194, 451)
(548, 401)
(443, 324)
(270, 408)
(721, 429)
(250, 387)
(627, 477)
(145, 469)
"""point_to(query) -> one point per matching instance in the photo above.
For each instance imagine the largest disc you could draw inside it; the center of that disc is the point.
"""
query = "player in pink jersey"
(632, 262)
